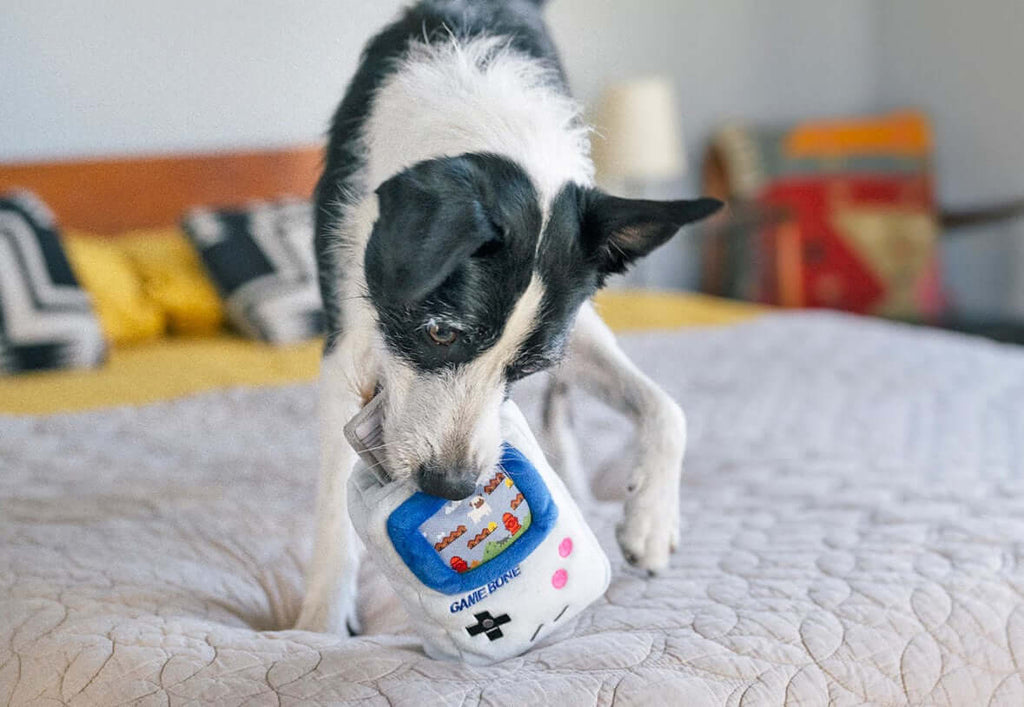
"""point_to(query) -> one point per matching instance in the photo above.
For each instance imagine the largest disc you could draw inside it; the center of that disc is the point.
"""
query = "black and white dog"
(459, 239)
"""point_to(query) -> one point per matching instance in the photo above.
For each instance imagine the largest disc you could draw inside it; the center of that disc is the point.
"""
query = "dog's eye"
(442, 334)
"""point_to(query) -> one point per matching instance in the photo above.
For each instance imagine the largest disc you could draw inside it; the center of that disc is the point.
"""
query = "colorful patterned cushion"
(846, 215)
(46, 319)
(261, 260)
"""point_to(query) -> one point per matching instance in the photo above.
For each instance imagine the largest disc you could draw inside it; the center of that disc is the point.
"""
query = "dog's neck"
(455, 97)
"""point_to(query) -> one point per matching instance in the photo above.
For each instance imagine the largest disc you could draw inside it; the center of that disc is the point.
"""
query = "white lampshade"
(639, 135)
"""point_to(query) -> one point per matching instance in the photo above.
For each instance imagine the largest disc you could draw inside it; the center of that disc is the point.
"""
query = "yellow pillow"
(173, 277)
(127, 315)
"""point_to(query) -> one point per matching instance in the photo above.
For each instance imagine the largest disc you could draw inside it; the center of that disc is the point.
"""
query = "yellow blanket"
(175, 367)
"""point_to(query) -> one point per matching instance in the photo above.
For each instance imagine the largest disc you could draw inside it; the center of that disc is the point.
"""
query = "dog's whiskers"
(378, 448)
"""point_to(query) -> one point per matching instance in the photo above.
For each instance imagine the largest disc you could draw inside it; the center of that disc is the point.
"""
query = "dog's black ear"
(619, 231)
(431, 219)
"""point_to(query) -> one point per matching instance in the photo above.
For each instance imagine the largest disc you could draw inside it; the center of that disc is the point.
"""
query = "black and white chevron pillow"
(261, 259)
(46, 319)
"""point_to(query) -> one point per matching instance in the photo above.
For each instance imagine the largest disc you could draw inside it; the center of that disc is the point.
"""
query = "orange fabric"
(905, 133)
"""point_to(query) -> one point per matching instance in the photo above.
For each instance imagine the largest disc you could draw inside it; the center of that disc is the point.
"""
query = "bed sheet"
(853, 518)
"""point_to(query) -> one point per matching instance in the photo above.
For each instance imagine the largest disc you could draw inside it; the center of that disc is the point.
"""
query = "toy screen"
(468, 533)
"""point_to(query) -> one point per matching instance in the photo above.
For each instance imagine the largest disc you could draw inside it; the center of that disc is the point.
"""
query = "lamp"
(638, 152)
(639, 140)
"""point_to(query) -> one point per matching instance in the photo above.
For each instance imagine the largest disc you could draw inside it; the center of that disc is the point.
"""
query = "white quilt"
(853, 532)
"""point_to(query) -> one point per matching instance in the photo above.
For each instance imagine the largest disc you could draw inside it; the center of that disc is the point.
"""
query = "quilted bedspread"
(853, 530)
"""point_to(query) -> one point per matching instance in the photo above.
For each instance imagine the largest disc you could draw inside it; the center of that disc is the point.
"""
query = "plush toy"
(488, 577)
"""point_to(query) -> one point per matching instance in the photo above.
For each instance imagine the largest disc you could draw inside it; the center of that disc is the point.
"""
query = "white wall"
(127, 76)
(112, 76)
(963, 62)
(769, 61)
(750, 59)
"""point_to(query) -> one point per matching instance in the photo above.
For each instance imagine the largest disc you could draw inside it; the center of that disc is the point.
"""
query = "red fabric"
(831, 272)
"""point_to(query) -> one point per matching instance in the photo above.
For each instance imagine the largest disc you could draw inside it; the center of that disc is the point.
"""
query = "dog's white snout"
(442, 430)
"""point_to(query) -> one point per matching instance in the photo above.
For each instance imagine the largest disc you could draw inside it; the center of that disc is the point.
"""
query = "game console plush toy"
(485, 578)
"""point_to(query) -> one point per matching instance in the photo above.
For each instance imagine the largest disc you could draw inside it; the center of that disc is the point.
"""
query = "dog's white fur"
(456, 97)
(444, 100)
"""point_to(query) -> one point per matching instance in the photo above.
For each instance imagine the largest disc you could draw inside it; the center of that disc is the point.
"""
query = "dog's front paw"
(649, 531)
(324, 614)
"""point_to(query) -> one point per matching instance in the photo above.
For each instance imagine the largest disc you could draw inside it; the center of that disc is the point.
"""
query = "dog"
(459, 239)
(480, 509)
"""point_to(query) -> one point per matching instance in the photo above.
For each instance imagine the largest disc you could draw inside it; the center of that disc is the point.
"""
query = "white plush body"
(534, 605)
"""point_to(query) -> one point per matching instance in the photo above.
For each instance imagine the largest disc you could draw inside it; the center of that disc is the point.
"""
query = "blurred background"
(114, 78)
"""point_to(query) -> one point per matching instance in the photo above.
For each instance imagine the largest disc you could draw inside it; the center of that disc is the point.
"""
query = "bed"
(853, 517)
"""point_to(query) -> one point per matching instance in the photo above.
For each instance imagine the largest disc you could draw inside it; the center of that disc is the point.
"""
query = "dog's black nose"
(451, 482)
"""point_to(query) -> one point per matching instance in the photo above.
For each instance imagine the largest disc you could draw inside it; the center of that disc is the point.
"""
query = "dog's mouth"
(453, 478)
(450, 481)
(422, 433)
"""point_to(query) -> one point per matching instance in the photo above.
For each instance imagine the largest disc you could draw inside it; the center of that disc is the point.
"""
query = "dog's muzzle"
(452, 482)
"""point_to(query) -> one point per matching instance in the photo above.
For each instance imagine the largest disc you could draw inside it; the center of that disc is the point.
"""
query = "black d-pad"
(488, 625)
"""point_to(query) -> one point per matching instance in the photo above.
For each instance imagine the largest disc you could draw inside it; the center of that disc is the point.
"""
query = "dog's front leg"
(649, 531)
(330, 601)
(560, 440)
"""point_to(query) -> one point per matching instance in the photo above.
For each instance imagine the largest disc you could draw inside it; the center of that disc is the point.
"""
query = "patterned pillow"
(842, 216)
(261, 259)
(46, 319)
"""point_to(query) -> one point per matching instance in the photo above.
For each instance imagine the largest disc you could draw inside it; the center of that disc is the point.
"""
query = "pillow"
(173, 277)
(845, 216)
(261, 260)
(126, 313)
(46, 319)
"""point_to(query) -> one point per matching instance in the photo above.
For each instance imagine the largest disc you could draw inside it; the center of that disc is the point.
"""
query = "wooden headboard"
(112, 195)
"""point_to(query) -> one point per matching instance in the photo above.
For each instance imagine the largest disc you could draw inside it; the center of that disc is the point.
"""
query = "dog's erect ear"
(619, 231)
(431, 219)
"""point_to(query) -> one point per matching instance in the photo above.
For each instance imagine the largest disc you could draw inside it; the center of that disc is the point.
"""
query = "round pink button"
(559, 578)
(565, 547)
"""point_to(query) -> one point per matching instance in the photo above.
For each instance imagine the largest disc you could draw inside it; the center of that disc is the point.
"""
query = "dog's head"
(475, 284)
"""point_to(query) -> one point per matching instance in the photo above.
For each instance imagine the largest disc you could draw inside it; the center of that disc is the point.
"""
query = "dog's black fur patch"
(589, 236)
(432, 21)
(454, 244)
